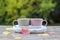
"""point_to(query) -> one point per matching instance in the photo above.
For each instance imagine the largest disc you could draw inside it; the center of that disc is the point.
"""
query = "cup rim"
(36, 19)
(30, 19)
(23, 19)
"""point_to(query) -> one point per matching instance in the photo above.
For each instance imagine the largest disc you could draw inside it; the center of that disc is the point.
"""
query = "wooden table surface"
(53, 34)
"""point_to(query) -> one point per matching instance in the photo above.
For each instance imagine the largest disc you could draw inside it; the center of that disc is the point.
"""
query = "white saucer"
(33, 29)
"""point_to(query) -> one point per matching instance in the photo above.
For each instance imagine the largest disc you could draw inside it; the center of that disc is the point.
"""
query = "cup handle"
(14, 21)
(46, 22)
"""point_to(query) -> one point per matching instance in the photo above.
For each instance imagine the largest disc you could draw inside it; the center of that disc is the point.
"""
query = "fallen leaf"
(44, 35)
(9, 28)
(18, 38)
(6, 33)
(51, 33)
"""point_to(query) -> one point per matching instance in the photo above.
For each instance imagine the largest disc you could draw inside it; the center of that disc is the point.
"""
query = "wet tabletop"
(52, 34)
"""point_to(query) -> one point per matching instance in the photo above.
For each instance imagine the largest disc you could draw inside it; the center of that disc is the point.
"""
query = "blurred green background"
(13, 9)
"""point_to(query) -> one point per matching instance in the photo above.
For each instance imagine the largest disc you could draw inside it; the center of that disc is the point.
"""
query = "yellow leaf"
(43, 35)
(9, 28)
(18, 38)
(6, 33)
